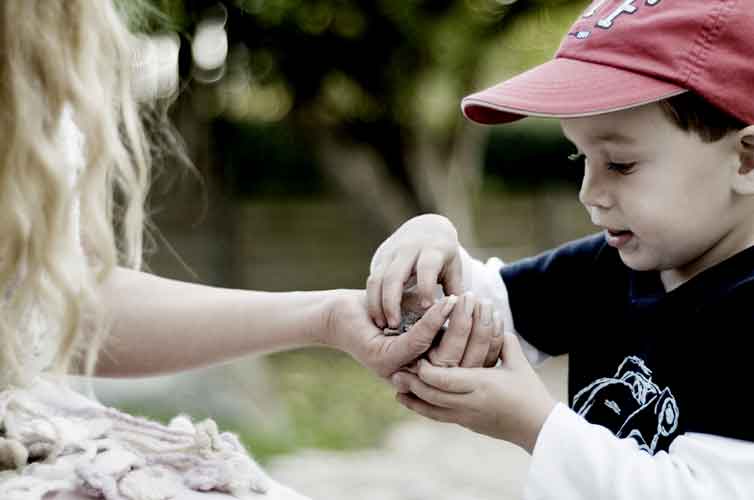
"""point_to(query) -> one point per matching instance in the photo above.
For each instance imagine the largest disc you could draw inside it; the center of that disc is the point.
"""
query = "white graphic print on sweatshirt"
(631, 405)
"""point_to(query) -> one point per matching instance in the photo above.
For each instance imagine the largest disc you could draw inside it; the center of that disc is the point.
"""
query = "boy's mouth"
(618, 238)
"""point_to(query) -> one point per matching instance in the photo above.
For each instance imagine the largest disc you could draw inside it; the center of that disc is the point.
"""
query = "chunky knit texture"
(53, 439)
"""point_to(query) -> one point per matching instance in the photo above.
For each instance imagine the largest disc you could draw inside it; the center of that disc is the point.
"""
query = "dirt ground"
(419, 460)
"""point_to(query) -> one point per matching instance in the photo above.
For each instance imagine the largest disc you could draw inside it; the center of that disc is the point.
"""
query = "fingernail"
(498, 324)
(426, 304)
(450, 302)
(395, 380)
(468, 303)
(487, 313)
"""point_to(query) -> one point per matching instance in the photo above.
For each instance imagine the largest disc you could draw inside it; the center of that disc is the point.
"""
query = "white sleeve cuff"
(574, 459)
(485, 282)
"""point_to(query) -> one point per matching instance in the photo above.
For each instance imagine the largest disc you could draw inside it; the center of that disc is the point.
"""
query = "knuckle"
(471, 360)
(433, 358)
(492, 357)
(387, 279)
(418, 343)
(412, 385)
(466, 324)
(453, 347)
(496, 348)
(437, 321)
(446, 362)
(391, 281)
(446, 248)
(436, 254)
(373, 279)
(439, 359)
(426, 255)
(431, 322)
(497, 343)
(444, 382)
(481, 340)
(485, 330)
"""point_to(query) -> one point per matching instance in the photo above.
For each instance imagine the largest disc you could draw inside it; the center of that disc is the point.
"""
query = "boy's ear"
(745, 149)
(745, 143)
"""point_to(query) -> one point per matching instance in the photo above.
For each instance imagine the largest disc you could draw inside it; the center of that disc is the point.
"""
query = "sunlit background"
(318, 127)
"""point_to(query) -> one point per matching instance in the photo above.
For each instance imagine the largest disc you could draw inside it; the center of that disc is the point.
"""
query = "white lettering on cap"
(626, 7)
(594, 8)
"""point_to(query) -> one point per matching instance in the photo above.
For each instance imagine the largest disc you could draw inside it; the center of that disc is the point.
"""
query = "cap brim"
(565, 88)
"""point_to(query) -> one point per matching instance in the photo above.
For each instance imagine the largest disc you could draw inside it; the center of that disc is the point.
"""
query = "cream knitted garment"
(53, 439)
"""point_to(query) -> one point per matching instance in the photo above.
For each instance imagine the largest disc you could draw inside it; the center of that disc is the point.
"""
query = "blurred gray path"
(420, 460)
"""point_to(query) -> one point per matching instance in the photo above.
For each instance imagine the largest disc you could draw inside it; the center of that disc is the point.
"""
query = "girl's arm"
(161, 326)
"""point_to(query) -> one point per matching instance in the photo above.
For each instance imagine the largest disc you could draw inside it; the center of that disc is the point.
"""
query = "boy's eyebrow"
(614, 137)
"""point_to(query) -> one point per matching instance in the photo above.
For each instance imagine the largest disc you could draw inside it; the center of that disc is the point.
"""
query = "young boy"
(655, 311)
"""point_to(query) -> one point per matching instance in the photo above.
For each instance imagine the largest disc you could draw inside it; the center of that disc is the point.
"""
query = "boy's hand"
(509, 402)
(426, 247)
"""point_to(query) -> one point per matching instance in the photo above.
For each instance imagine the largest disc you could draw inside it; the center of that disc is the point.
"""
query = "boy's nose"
(594, 192)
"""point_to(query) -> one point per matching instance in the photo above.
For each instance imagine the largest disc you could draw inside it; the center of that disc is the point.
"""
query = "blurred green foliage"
(529, 154)
(283, 164)
(332, 403)
(380, 74)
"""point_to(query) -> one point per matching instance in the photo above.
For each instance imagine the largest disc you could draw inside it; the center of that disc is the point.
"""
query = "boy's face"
(663, 196)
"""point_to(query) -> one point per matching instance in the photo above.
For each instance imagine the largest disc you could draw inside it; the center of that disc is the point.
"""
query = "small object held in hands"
(411, 312)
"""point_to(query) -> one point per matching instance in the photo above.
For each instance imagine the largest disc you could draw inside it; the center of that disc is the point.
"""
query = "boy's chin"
(635, 262)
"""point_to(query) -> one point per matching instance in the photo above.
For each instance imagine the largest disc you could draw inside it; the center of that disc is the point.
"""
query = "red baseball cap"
(624, 53)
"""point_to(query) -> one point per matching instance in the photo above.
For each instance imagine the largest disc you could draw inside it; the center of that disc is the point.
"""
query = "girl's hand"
(348, 327)
(509, 402)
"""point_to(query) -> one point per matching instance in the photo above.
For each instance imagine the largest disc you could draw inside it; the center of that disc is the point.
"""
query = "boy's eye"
(621, 168)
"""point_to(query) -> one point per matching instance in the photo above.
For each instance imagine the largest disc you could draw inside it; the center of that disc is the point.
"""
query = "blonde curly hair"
(55, 56)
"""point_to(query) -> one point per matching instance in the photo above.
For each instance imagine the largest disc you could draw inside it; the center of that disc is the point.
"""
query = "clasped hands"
(449, 380)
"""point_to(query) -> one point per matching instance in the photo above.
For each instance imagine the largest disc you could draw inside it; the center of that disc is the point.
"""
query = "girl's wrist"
(307, 318)
(346, 322)
(324, 328)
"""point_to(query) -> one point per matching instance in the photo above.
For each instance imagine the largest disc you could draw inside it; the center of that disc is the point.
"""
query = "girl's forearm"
(162, 326)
